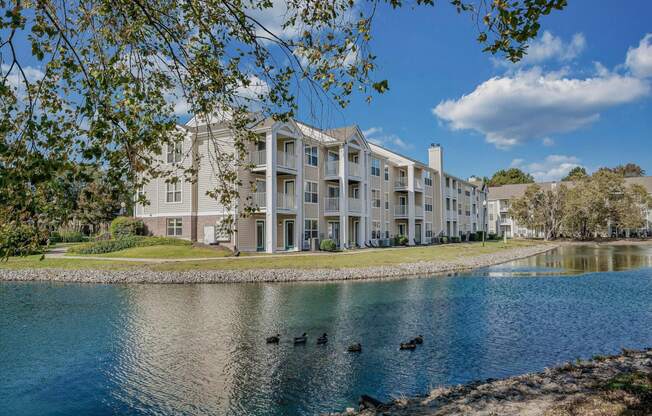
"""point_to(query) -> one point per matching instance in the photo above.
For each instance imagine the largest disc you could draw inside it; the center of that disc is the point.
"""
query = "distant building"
(501, 197)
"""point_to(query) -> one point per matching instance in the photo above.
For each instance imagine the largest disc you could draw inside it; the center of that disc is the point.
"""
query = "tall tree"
(509, 177)
(578, 172)
(540, 209)
(109, 74)
(629, 170)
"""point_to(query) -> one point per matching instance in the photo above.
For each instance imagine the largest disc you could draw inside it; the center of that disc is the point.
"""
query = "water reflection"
(200, 349)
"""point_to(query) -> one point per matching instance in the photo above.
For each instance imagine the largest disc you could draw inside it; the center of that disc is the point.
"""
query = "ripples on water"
(200, 349)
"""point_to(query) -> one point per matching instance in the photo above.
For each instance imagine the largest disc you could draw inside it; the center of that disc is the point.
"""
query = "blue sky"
(577, 100)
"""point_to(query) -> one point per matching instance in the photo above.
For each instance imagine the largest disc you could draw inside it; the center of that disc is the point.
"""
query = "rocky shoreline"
(605, 386)
(144, 275)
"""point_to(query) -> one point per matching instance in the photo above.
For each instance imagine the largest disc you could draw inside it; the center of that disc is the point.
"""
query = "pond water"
(200, 349)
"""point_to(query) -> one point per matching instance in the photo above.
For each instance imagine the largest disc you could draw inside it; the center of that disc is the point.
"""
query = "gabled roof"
(315, 133)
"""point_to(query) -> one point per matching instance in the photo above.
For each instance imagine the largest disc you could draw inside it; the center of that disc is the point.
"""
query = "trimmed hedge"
(125, 226)
(327, 245)
(109, 246)
(67, 237)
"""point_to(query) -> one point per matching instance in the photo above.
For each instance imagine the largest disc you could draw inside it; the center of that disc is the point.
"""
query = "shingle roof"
(516, 191)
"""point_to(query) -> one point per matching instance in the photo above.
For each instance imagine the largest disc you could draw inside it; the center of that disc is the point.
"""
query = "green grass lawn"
(361, 258)
(162, 252)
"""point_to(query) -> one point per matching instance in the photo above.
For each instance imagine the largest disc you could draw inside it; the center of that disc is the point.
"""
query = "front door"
(356, 230)
(401, 229)
(289, 234)
(334, 232)
(417, 233)
(260, 235)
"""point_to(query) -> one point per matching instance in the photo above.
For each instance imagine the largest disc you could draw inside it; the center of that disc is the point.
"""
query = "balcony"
(284, 160)
(286, 202)
(401, 184)
(504, 208)
(355, 205)
(401, 211)
(332, 168)
(418, 185)
(331, 206)
(259, 200)
(354, 169)
(418, 212)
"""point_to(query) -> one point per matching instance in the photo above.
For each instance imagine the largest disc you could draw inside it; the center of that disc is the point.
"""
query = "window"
(428, 204)
(491, 217)
(427, 178)
(310, 230)
(454, 204)
(375, 167)
(312, 153)
(448, 182)
(387, 173)
(375, 229)
(467, 193)
(311, 193)
(387, 201)
(375, 198)
(173, 193)
(174, 227)
(448, 204)
(175, 152)
(387, 230)
(428, 230)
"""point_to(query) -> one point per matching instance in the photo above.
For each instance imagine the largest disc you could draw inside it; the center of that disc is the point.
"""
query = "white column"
(344, 195)
(270, 192)
(365, 216)
(299, 189)
(411, 205)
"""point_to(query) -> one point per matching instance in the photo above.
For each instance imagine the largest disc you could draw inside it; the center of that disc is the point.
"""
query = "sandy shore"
(144, 275)
(603, 386)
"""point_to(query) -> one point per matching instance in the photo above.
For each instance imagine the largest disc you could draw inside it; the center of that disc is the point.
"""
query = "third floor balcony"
(284, 160)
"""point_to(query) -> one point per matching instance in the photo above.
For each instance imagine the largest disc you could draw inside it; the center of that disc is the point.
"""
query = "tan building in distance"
(311, 183)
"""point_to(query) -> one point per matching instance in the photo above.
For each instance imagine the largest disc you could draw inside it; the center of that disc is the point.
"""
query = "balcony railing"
(332, 168)
(354, 169)
(418, 184)
(401, 183)
(355, 205)
(418, 212)
(259, 199)
(286, 201)
(401, 211)
(332, 204)
(283, 159)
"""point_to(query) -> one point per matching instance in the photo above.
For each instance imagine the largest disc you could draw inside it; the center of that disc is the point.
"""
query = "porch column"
(411, 206)
(344, 194)
(365, 215)
(270, 191)
(298, 226)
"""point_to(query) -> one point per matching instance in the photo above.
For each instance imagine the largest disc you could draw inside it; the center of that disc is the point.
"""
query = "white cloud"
(532, 104)
(272, 19)
(547, 141)
(377, 136)
(639, 59)
(552, 168)
(16, 81)
(550, 47)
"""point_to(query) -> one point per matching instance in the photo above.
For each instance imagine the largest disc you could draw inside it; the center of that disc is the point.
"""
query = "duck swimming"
(274, 339)
(418, 339)
(301, 340)
(355, 348)
(322, 339)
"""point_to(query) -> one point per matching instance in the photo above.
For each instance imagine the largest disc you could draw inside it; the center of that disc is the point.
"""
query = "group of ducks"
(357, 347)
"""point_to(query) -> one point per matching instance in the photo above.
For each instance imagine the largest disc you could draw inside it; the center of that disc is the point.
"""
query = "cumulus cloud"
(16, 81)
(377, 136)
(551, 47)
(552, 168)
(639, 59)
(547, 141)
(533, 104)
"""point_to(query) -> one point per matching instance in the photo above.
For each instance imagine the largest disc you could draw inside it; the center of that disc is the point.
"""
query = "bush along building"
(310, 185)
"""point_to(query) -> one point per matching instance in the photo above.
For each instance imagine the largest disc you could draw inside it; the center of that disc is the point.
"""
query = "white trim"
(180, 201)
(285, 234)
(305, 182)
(264, 233)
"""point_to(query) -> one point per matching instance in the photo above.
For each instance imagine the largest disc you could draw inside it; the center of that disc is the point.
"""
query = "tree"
(630, 170)
(578, 172)
(109, 75)
(509, 177)
(540, 209)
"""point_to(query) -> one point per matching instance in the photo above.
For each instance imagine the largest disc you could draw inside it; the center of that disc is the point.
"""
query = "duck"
(322, 339)
(274, 339)
(302, 339)
(408, 345)
(418, 339)
(355, 347)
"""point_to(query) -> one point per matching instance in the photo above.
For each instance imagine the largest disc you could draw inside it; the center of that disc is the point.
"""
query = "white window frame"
(311, 153)
(428, 230)
(375, 202)
(174, 153)
(386, 173)
(386, 229)
(375, 170)
(375, 230)
(314, 231)
(386, 201)
(307, 191)
(176, 227)
(173, 192)
(427, 178)
(427, 203)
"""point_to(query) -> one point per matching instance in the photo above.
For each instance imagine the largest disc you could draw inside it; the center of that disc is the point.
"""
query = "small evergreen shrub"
(327, 245)
(493, 236)
(455, 239)
(478, 235)
(125, 226)
(123, 243)
(444, 240)
(19, 240)
(403, 240)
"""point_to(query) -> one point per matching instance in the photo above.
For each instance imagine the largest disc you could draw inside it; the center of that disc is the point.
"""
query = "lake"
(200, 349)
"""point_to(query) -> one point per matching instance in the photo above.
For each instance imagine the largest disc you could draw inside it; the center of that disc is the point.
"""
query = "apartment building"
(308, 183)
(499, 201)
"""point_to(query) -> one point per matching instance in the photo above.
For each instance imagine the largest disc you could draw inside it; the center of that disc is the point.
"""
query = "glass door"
(334, 232)
(289, 234)
(260, 235)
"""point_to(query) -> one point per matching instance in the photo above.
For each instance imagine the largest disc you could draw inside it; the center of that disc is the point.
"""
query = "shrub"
(493, 236)
(403, 240)
(327, 245)
(478, 236)
(124, 226)
(109, 246)
(19, 239)
(455, 239)
(66, 237)
(444, 240)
